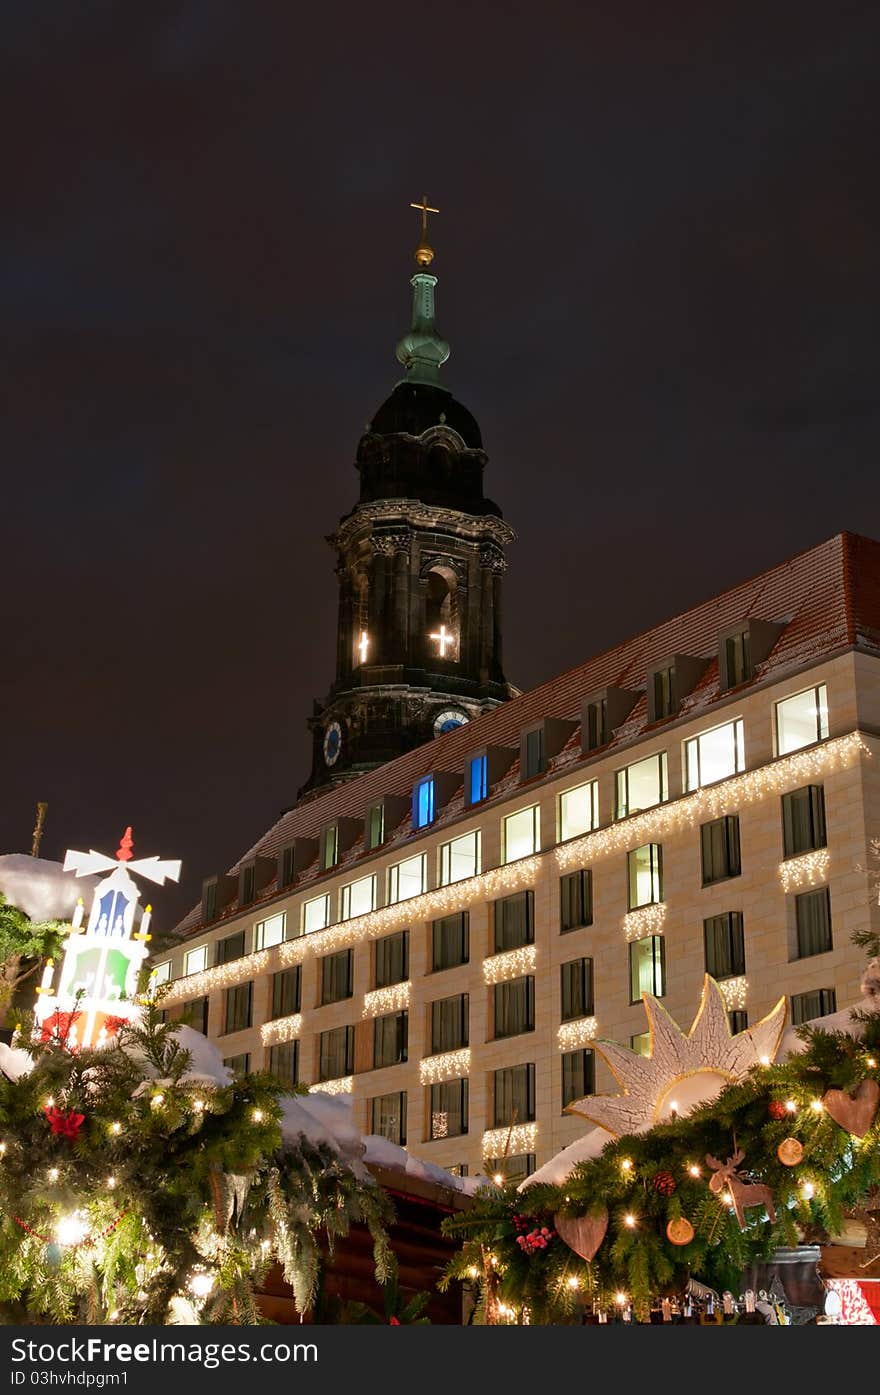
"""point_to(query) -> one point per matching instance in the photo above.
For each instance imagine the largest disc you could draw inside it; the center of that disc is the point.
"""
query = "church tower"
(420, 561)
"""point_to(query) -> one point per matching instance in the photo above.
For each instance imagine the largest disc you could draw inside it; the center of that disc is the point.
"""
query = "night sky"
(659, 263)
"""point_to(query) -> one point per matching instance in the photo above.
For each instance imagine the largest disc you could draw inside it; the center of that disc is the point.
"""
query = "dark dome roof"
(415, 407)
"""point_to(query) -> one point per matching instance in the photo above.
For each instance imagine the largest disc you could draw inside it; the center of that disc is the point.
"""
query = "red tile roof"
(828, 597)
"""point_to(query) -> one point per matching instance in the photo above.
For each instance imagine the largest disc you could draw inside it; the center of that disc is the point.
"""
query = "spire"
(422, 351)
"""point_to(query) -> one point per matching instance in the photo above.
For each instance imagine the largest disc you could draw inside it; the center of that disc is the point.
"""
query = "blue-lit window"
(423, 803)
(478, 779)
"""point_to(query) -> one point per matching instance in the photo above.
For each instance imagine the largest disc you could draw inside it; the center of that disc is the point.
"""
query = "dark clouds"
(658, 271)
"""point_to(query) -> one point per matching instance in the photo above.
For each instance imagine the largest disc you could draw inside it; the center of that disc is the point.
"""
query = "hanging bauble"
(680, 1231)
(854, 1112)
(790, 1152)
(776, 1110)
(53, 1255)
(583, 1234)
(664, 1183)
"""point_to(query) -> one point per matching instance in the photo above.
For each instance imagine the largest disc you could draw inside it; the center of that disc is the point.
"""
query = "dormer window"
(601, 713)
(670, 682)
(540, 743)
(483, 769)
(738, 659)
(329, 847)
(597, 732)
(535, 762)
(375, 826)
(423, 803)
(247, 883)
(743, 648)
(663, 694)
(477, 779)
(209, 902)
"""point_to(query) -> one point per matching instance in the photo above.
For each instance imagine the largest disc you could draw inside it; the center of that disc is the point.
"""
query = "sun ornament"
(680, 1071)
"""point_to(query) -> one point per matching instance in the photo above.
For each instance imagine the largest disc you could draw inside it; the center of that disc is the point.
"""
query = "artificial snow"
(14, 1062)
(40, 888)
(562, 1164)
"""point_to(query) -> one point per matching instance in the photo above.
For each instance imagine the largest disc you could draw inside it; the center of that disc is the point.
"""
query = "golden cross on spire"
(424, 251)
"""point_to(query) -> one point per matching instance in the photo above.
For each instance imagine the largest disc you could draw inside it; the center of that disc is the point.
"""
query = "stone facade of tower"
(420, 561)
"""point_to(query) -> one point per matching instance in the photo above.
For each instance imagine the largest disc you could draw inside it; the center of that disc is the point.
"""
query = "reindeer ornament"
(742, 1193)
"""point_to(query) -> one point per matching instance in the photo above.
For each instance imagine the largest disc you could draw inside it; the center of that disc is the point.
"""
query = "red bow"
(68, 1125)
(395, 1322)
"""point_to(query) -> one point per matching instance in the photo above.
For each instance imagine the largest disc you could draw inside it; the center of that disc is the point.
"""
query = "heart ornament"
(583, 1234)
(856, 1112)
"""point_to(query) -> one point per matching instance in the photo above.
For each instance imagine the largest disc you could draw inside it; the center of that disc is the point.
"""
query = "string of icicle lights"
(808, 870)
(632, 832)
(281, 1029)
(520, 1138)
(446, 1065)
(392, 999)
(571, 1035)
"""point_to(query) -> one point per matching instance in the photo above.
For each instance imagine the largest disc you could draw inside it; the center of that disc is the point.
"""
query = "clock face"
(448, 720)
(332, 743)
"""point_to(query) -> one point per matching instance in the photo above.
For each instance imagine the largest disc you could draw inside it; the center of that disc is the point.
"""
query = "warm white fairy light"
(71, 1230)
(791, 1107)
(200, 1285)
(817, 1106)
(258, 1116)
(498, 1179)
(391, 999)
(473, 1272)
(574, 1281)
(343, 1085)
(521, 1138)
(511, 963)
(116, 1127)
(2, 1149)
(808, 870)
(281, 1029)
(198, 1106)
(53, 1174)
(629, 1220)
(446, 1065)
(158, 1100)
(571, 1035)
(626, 1164)
(808, 1190)
(647, 920)
(734, 991)
(110, 1183)
(694, 1170)
(621, 1299)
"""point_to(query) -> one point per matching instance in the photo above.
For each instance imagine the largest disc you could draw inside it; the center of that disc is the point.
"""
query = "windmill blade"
(156, 869)
(85, 864)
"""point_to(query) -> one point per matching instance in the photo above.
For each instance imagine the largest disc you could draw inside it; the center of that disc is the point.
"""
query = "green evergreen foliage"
(24, 945)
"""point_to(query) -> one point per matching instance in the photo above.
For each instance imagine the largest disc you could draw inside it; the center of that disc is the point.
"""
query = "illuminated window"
(284, 1062)
(801, 720)
(578, 1075)
(391, 960)
(286, 992)
(576, 989)
(408, 878)
(358, 898)
(803, 820)
(449, 941)
(645, 868)
(522, 833)
(316, 914)
(714, 755)
(423, 803)
(806, 1006)
(647, 967)
(460, 858)
(376, 826)
(813, 921)
(478, 779)
(196, 960)
(579, 811)
(271, 932)
(641, 1043)
(725, 945)
(161, 973)
(388, 1117)
(575, 900)
(719, 849)
(449, 1109)
(642, 785)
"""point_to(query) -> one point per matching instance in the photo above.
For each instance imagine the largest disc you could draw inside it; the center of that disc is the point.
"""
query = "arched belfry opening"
(442, 613)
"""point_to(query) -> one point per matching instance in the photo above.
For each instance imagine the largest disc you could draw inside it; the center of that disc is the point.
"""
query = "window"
(725, 945)
(270, 932)
(738, 1019)
(391, 960)
(232, 947)
(801, 720)
(388, 1117)
(576, 979)
(358, 898)
(522, 834)
(578, 1075)
(195, 1015)
(647, 968)
(512, 1169)
(423, 803)
(238, 1008)
(719, 848)
(336, 977)
(209, 902)
(449, 1109)
(813, 920)
(579, 811)
(196, 960)
(715, 754)
(641, 1043)
(329, 847)
(513, 1096)
(336, 1053)
(390, 1039)
(739, 659)
(460, 858)
(247, 884)
(642, 785)
(284, 1061)
(575, 900)
(406, 879)
(514, 921)
(376, 826)
(316, 914)
(161, 973)
(514, 1006)
(477, 779)
(534, 758)
(286, 992)
(288, 866)
(803, 820)
(597, 724)
(664, 688)
(239, 1065)
(449, 941)
(645, 869)
(449, 1023)
(806, 1006)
